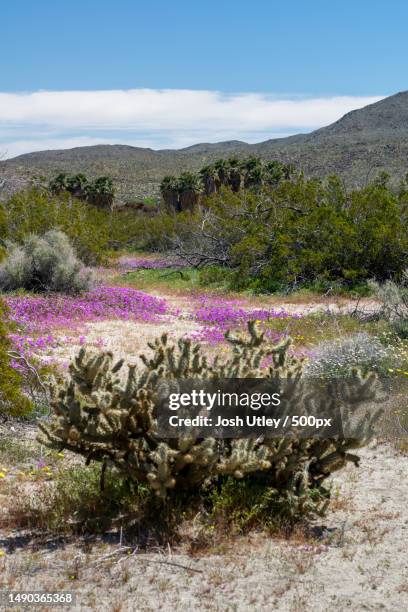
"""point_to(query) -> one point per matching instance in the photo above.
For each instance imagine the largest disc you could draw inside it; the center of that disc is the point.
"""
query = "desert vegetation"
(43, 264)
(248, 269)
(12, 398)
(185, 191)
(283, 231)
(99, 192)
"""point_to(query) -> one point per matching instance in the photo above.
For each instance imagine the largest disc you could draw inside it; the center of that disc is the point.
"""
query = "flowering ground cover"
(48, 323)
(123, 319)
(218, 314)
(38, 317)
(58, 310)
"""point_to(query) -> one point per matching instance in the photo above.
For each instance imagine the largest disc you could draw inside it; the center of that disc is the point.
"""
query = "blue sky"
(241, 55)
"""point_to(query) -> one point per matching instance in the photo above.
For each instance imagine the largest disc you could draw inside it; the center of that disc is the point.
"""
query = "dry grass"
(363, 536)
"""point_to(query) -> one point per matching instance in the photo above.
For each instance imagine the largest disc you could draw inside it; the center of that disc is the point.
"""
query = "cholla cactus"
(102, 417)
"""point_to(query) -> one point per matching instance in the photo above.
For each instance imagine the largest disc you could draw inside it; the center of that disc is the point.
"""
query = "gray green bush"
(333, 358)
(44, 263)
(393, 298)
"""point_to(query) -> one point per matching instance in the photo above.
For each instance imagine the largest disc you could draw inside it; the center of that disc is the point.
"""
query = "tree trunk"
(188, 199)
(171, 199)
(209, 185)
(235, 181)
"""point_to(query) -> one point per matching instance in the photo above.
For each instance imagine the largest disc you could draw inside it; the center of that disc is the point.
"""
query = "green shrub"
(300, 233)
(393, 297)
(46, 263)
(400, 327)
(254, 503)
(36, 212)
(214, 275)
(78, 500)
(165, 231)
(12, 400)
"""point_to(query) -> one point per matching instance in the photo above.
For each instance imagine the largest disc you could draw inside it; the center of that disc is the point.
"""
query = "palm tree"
(221, 168)
(59, 184)
(170, 193)
(209, 177)
(234, 174)
(77, 185)
(253, 172)
(189, 188)
(274, 172)
(101, 192)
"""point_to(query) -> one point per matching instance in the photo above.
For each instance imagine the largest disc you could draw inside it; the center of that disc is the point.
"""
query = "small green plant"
(12, 399)
(215, 275)
(252, 503)
(77, 499)
(73, 502)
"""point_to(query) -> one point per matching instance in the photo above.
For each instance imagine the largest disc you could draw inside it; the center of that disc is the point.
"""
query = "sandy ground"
(358, 561)
(129, 338)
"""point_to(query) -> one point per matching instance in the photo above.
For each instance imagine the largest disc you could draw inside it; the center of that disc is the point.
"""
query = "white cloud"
(18, 147)
(158, 118)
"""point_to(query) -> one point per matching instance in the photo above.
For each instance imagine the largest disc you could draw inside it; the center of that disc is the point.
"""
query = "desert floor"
(355, 559)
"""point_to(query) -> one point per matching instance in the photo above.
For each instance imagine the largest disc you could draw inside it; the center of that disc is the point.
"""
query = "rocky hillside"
(356, 147)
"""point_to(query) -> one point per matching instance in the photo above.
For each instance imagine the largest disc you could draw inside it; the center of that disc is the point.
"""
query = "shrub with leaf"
(12, 400)
(393, 298)
(300, 232)
(104, 417)
(44, 263)
(36, 212)
(338, 357)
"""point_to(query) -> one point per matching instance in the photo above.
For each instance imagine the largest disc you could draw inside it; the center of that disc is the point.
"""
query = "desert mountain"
(356, 147)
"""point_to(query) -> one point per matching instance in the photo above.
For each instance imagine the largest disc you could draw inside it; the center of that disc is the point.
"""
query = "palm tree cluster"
(99, 192)
(184, 192)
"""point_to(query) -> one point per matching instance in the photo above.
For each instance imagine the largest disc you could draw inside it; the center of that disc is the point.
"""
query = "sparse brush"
(41, 264)
(338, 357)
(393, 298)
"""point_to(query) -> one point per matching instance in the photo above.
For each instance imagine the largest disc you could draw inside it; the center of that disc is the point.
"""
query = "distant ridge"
(357, 146)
